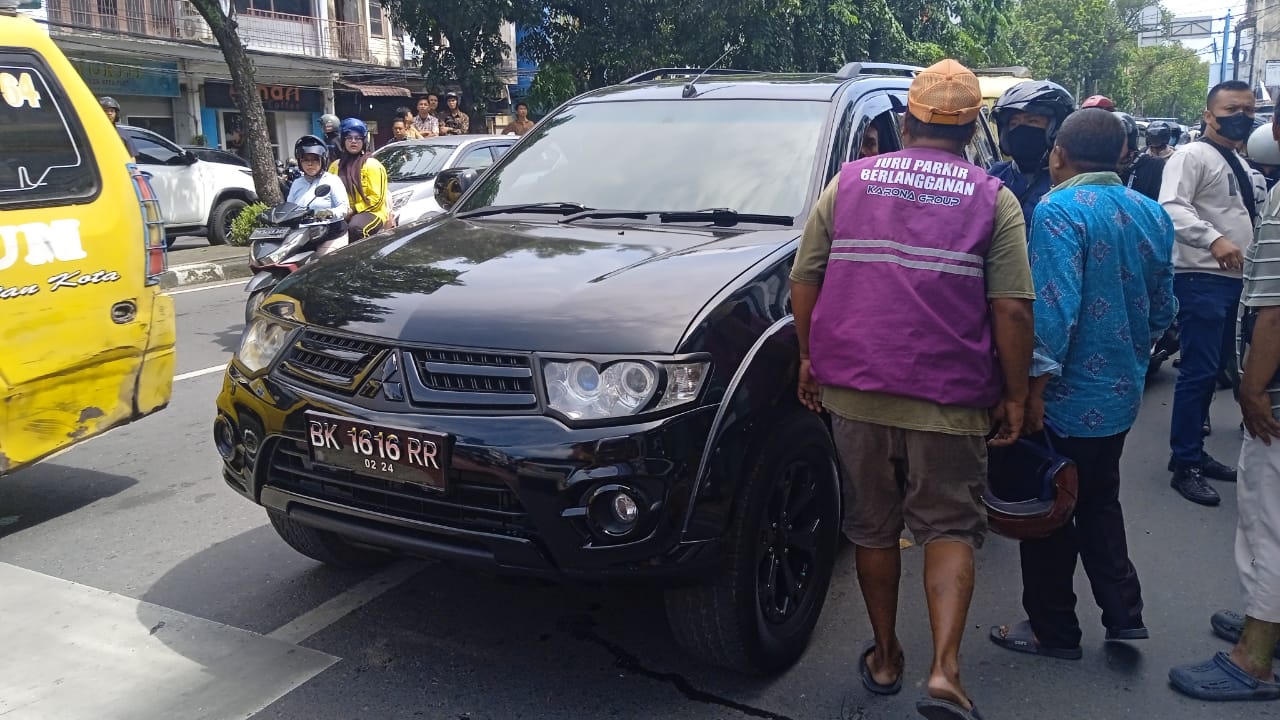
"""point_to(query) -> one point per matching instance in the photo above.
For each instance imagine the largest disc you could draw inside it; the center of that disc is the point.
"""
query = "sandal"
(933, 708)
(1222, 679)
(1021, 638)
(1228, 625)
(869, 680)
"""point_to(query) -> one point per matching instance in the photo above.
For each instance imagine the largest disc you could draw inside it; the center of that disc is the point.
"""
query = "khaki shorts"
(929, 482)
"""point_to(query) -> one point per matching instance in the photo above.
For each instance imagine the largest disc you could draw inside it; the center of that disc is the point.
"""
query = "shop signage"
(129, 77)
(275, 98)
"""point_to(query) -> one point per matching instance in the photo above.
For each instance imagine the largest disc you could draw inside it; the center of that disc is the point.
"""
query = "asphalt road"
(134, 584)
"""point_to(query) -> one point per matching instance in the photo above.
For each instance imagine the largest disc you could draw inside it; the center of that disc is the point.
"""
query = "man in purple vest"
(912, 295)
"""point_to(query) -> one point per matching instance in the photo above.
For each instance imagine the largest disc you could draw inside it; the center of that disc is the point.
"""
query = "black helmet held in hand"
(1039, 97)
(1031, 490)
(310, 145)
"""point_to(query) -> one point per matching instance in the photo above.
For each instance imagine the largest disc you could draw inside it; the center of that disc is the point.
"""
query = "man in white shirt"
(1209, 192)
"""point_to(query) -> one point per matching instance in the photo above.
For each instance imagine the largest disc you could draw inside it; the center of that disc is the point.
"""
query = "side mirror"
(187, 158)
(322, 191)
(451, 184)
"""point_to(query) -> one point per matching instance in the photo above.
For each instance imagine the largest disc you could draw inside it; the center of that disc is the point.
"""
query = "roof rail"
(855, 69)
(1018, 71)
(658, 73)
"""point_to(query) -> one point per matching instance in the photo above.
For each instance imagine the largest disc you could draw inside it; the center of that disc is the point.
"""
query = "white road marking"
(354, 598)
(74, 652)
(202, 288)
(198, 373)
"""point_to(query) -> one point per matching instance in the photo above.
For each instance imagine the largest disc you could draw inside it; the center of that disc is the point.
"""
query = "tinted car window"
(476, 158)
(44, 155)
(152, 148)
(414, 162)
(218, 156)
(746, 155)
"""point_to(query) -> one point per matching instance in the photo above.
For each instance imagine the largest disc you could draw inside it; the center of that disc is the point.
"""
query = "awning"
(377, 90)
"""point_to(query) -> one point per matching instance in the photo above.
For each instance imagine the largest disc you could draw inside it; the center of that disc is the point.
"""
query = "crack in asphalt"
(582, 627)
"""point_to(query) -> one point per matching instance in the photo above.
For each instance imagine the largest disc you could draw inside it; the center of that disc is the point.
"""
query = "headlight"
(261, 343)
(398, 200)
(582, 390)
(287, 248)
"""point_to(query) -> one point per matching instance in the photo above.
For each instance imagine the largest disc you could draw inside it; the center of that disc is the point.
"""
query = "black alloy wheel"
(789, 543)
(757, 612)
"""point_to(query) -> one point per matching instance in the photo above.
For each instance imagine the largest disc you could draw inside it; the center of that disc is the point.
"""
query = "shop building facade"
(160, 61)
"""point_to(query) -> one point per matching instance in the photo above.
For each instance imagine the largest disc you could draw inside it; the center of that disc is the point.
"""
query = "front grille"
(330, 359)
(470, 502)
(474, 379)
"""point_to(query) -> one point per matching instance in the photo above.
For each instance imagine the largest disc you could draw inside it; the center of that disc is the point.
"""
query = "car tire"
(735, 619)
(327, 547)
(220, 220)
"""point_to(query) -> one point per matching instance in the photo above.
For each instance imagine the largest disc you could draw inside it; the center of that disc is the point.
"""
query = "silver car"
(412, 166)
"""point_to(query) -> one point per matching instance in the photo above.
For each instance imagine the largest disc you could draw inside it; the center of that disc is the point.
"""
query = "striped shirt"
(1261, 284)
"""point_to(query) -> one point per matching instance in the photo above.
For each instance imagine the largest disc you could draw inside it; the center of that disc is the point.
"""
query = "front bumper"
(517, 484)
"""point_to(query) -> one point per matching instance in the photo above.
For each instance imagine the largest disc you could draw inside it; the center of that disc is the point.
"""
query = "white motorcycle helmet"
(1263, 148)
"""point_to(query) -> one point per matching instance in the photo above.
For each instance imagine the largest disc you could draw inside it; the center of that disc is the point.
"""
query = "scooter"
(287, 242)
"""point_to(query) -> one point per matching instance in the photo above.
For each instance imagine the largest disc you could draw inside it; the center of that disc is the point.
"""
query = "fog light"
(625, 509)
(614, 512)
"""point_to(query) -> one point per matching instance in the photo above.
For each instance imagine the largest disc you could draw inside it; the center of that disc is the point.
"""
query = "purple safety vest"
(903, 306)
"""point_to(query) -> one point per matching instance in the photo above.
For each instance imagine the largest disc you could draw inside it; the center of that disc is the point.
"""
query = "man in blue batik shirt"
(1101, 261)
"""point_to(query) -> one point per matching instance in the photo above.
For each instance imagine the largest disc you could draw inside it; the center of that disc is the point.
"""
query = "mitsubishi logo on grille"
(387, 379)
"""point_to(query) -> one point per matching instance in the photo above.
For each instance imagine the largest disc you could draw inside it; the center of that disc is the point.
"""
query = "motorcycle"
(290, 238)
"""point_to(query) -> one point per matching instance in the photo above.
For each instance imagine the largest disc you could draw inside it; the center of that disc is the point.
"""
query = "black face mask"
(1027, 145)
(1235, 128)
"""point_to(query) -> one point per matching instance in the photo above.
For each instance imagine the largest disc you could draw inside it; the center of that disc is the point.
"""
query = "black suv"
(586, 369)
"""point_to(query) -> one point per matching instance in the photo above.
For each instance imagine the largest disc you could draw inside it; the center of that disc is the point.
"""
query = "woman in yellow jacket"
(365, 179)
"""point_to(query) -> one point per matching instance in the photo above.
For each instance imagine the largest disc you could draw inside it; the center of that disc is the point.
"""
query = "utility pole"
(1250, 21)
(1226, 41)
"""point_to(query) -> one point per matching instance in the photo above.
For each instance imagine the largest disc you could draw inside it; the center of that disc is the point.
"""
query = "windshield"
(751, 156)
(414, 162)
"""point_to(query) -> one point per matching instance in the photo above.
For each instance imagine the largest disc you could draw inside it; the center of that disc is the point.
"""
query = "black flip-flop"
(933, 708)
(869, 680)
(1021, 638)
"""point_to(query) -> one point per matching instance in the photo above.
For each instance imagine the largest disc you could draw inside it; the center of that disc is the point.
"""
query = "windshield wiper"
(724, 216)
(554, 208)
(414, 178)
(593, 214)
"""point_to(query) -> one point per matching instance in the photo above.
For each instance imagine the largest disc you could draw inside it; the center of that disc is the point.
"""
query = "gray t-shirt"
(1261, 285)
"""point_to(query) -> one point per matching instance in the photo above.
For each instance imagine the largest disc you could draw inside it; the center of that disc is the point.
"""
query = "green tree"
(462, 43)
(247, 99)
(1083, 45)
(1167, 81)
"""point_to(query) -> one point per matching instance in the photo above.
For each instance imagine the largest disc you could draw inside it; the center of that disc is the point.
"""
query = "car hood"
(529, 286)
(394, 187)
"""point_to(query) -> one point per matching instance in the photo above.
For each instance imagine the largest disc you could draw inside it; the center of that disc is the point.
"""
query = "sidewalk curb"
(205, 272)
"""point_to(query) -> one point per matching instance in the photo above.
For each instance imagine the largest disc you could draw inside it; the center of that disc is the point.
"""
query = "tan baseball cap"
(945, 93)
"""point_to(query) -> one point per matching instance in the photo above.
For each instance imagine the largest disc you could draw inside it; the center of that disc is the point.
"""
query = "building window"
(274, 7)
(377, 26)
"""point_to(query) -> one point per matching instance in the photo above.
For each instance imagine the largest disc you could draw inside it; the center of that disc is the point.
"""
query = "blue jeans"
(1206, 310)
